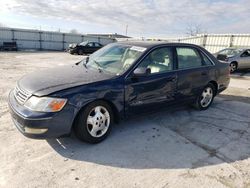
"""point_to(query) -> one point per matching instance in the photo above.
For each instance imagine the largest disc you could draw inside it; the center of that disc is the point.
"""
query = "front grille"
(21, 95)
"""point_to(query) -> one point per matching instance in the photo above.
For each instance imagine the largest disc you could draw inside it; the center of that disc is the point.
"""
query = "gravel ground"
(180, 147)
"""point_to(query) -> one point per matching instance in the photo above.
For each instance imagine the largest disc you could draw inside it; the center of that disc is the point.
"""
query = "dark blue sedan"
(116, 82)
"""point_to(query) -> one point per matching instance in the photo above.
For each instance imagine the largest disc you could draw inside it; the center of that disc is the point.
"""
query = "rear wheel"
(233, 67)
(205, 99)
(94, 123)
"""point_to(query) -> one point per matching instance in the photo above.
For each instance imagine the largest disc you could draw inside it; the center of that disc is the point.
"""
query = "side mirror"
(141, 71)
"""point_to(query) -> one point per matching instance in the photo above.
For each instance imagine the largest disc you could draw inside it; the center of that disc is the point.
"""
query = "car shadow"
(236, 98)
(240, 73)
(169, 139)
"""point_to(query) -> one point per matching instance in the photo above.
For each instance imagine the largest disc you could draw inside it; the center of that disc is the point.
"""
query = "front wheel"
(233, 67)
(94, 122)
(205, 99)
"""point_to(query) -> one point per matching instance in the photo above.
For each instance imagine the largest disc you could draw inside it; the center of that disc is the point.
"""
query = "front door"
(155, 90)
(89, 48)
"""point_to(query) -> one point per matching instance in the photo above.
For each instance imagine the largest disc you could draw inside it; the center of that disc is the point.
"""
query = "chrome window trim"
(200, 50)
(144, 56)
(208, 57)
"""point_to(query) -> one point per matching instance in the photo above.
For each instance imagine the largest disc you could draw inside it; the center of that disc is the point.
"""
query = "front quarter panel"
(111, 91)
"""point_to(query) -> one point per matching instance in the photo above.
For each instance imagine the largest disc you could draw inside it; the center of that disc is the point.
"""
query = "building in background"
(47, 40)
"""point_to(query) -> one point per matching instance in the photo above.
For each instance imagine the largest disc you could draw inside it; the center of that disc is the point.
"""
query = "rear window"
(91, 44)
(206, 60)
(97, 45)
(188, 58)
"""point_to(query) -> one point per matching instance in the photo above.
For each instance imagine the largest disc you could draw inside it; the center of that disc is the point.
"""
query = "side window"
(224, 52)
(159, 60)
(91, 44)
(206, 60)
(246, 53)
(97, 45)
(188, 58)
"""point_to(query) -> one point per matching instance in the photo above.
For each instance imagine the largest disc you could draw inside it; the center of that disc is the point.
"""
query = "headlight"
(45, 104)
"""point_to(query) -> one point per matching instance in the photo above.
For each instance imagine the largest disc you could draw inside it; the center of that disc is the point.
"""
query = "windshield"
(115, 58)
(83, 43)
(230, 52)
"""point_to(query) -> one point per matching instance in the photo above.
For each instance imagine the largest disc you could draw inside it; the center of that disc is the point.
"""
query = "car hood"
(51, 80)
(231, 56)
(72, 45)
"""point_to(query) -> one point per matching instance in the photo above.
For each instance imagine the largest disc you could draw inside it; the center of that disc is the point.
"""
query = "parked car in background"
(118, 81)
(84, 48)
(9, 46)
(238, 58)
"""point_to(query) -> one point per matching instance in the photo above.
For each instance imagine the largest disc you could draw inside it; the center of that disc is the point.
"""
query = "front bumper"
(72, 50)
(41, 124)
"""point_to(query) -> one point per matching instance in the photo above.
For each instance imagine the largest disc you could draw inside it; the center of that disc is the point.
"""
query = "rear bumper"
(221, 89)
(223, 86)
(39, 124)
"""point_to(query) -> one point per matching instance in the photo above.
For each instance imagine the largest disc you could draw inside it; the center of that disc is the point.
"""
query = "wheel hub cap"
(206, 97)
(233, 67)
(98, 121)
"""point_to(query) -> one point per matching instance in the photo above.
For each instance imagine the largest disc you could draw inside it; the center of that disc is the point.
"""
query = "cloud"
(149, 17)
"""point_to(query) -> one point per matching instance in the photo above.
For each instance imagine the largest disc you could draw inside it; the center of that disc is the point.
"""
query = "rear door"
(155, 90)
(97, 46)
(90, 48)
(193, 72)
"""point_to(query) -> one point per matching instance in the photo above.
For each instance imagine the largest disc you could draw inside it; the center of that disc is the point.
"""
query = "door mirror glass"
(142, 71)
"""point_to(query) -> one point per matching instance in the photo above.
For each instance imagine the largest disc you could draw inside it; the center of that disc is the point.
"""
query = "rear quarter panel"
(222, 75)
(220, 72)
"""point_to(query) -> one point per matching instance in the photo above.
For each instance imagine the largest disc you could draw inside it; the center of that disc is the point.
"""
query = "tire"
(94, 123)
(233, 67)
(80, 52)
(205, 98)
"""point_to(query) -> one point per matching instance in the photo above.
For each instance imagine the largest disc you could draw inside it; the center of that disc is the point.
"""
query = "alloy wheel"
(233, 67)
(98, 121)
(206, 97)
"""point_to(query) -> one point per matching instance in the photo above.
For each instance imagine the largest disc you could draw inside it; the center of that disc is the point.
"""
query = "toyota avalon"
(118, 81)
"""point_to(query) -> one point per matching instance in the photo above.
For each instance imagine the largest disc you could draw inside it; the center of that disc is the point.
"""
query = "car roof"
(150, 44)
(235, 48)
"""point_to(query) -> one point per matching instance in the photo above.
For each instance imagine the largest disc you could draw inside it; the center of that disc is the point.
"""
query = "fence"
(45, 40)
(216, 42)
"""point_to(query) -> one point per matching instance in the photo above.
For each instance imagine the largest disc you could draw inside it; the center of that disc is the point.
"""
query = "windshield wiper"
(85, 63)
(99, 67)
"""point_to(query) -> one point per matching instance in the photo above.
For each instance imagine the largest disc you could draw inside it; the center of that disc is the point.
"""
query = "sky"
(143, 18)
